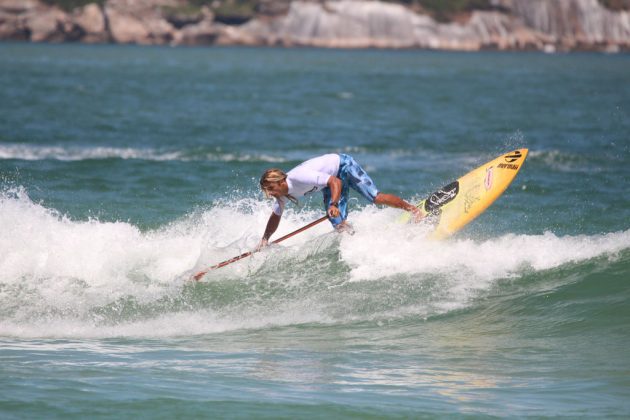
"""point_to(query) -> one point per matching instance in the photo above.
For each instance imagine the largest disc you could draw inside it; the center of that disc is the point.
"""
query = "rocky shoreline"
(567, 25)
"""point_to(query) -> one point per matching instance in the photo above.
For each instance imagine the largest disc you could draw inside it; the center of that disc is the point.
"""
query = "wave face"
(88, 279)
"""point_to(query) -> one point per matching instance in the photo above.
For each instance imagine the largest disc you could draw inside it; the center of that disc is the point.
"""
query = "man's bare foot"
(345, 227)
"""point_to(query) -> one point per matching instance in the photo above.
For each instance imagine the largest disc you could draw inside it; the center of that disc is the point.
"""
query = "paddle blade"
(199, 275)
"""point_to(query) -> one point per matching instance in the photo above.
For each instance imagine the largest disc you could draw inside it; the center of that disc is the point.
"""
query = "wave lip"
(380, 249)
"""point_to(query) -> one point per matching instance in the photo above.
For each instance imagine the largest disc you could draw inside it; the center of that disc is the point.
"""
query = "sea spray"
(87, 278)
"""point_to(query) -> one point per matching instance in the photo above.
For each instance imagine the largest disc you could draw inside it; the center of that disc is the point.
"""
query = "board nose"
(515, 155)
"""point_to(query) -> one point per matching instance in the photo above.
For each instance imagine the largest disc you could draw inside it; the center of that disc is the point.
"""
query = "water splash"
(86, 278)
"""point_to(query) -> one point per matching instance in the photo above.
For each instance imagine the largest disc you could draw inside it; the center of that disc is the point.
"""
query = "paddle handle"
(200, 274)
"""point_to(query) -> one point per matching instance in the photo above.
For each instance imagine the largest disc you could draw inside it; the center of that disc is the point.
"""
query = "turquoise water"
(124, 170)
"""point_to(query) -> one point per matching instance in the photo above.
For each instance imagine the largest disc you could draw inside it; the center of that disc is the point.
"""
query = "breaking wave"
(61, 277)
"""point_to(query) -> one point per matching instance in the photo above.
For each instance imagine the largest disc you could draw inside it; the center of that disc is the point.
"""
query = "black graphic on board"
(441, 197)
(515, 155)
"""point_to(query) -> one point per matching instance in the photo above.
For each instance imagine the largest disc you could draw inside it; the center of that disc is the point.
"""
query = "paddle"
(200, 274)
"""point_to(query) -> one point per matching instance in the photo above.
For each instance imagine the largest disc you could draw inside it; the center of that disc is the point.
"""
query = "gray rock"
(202, 33)
(517, 24)
(91, 20)
(361, 24)
(12, 27)
(573, 23)
(514, 24)
(18, 6)
(139, 21)
(51, 25)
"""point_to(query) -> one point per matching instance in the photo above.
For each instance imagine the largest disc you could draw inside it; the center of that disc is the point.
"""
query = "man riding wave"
(333, 174)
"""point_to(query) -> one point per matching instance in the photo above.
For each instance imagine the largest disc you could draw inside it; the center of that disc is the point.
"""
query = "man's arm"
(272, 226)
(334, 184)
(395, 201)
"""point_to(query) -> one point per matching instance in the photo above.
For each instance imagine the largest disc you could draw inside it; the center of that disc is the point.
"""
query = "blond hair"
(274, 175)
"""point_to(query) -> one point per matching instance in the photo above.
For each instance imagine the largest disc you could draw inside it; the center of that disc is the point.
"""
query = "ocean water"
(124, 170)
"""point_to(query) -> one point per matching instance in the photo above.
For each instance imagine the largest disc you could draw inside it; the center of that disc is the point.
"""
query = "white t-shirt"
(309, 177)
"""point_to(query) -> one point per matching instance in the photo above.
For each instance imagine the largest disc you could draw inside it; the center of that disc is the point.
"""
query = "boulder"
(202, 33)
(126, 29)
(349, 24)
(11, 27)
(51, 25)
(91, 20)
(572, 24)
(139, 21)
(494, 30)
(18, 6)
(160, 31)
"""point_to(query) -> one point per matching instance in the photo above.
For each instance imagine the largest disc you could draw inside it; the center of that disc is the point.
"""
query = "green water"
(125, 169)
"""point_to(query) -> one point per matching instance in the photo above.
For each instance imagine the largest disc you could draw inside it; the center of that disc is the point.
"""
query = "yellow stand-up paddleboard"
(458, 203)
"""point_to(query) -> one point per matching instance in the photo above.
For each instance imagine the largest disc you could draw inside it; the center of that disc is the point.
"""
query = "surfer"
(333, 174)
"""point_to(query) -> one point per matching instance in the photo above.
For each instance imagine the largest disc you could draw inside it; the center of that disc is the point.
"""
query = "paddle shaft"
(247, 254)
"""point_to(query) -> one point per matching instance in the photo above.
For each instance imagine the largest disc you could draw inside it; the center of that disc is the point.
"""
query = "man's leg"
(361, 181)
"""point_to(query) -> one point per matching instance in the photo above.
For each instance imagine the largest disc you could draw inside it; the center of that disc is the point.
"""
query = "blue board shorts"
(352, 176)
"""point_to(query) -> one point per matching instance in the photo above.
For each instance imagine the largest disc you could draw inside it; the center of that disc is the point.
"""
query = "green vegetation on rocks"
(180, 16)
(239, 11)
(69, 5)
(231, 12)
(448, 10)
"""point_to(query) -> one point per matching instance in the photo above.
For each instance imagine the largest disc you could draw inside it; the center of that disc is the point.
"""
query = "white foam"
(175, 324)
(381, 248)
(77, 265)
(56, 274)
(78, 153)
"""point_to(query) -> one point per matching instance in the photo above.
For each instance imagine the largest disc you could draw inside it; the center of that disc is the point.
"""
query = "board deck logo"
(514, 156)
(441, 197)
(487, 182)
(471, 197)
(508, 166)
(312, 190)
